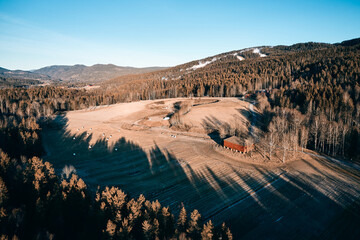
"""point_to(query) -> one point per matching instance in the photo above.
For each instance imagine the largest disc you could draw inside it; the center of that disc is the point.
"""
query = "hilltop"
(226, 64)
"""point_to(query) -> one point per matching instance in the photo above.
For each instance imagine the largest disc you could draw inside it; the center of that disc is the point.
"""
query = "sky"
(39, 33)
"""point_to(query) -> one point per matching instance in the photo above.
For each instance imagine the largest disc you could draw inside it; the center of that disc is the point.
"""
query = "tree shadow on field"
(297, 205)
(260, 203)
(215, 136)
(253, 117)
(219, 129)
(156, 173)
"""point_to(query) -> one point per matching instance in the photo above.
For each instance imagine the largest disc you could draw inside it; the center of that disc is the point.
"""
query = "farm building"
(241, 145)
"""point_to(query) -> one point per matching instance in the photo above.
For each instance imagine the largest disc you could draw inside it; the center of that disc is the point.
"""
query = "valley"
(257, 143)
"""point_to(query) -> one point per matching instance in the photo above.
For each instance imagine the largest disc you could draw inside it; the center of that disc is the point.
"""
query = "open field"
(133, 147)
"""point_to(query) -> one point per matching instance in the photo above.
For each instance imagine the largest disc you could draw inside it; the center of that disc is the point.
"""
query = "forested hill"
(321, 81)
(230, 61)
(76, 74)
(18, 78)
(90, 74)
(316, 75)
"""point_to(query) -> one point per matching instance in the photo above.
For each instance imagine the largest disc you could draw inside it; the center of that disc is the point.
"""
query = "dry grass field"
(130, 145)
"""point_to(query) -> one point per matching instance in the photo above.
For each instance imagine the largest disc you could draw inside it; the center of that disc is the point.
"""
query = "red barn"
(238, 144)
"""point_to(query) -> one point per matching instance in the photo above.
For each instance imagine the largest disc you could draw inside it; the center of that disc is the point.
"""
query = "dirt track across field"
(131, 145)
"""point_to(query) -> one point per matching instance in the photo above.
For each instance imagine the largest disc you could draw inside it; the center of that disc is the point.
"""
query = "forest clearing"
(134, 148)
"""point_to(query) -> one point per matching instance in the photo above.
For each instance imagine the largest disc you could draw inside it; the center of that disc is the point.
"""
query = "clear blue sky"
(35, 34)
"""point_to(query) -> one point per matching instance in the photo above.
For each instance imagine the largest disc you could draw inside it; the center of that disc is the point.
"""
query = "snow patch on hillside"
(257, 50)
(236, 54)
(240, 58)
(201, 64)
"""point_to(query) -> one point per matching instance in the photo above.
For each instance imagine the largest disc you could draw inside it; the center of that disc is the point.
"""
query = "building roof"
(239, 141)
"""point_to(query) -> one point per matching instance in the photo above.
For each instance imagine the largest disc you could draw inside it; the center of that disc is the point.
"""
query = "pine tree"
(182, 220)
(110, 228)
(147, 229)
(207, 232)
(194, 228)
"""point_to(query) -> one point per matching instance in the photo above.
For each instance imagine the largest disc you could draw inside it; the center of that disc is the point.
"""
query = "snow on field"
(201, 64)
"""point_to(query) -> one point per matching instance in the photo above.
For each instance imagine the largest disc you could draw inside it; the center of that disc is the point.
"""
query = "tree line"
(290, 131)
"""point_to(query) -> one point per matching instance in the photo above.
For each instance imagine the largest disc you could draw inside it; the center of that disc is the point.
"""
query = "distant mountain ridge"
(19, 78)
(90, 74)
(22, 74)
